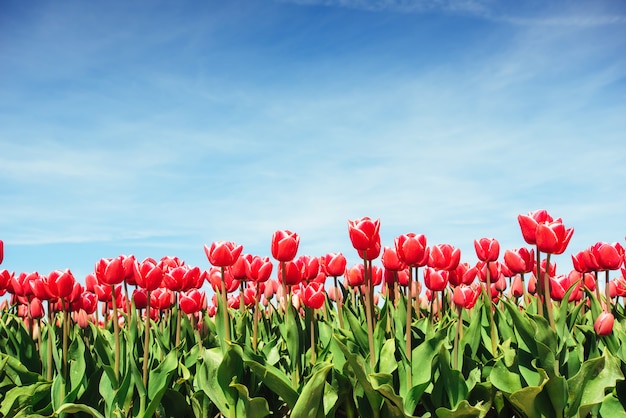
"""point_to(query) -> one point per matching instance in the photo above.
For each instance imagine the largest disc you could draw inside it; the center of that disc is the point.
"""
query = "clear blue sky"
(155, 127)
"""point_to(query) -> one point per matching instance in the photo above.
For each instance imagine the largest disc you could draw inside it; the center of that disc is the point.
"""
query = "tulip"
(520, 260)
(192, 301)
(150, 275)
(487, 249)
(608, 256)
(259, 269)
(1, 251)
(412, 249)
(435, 280)
(333, 264)
(391, 261)
(528, 224)
(462, 274)
(110, 271)
(223, 253)
(5, 279)
(553, 238)
(309, 267)
(355, 276)
(364, 234)
(465, 296)
(241, 267)
(517, 286)
(604, 324)
(313, 295)
(285, 245)
(61, 283)
(444, 257)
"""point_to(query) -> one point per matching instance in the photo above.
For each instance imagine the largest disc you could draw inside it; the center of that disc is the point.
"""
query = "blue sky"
(153, 128)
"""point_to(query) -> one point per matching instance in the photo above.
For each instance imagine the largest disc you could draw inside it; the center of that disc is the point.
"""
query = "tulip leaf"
(23, 396)
(359, 331)
(207, 374)
(250, 407)
(387, 362)
(310, 403)
(463, 410)
(159, 381)
(612, 407)
(587, 387)
(69, 408)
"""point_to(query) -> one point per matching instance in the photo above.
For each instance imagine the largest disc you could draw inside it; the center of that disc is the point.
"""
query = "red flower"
(412, 249)
(494, 271)
(182, 278)
(161, 298)
(5, 279)
(333, 264)
(517, 287)
(435, 280)
(465, 296)
(292, 272)
(110, 271)
(520, 260)
(444, 257)
(241, 267)
(215, 280)
(223, 253)
(1, 251)
(192, 301)
(604, 324)
(285, 245)
(391, 261)
(309, 267)
(150, 275)
(487, 249)
(314, 295)
(61, 283)
(462, 274)
(528, 224)
(365, 237)
(260, 269)
(607, 256)
(552, 237)
(355, 275)
(140, 297)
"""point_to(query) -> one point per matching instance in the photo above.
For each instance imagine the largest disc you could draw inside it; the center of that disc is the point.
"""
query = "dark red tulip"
(223, 253)
(604, 324)
(333, 264)
(412, 249)
(444, 257)
(487, 249)
(285, 245)
(520, 260)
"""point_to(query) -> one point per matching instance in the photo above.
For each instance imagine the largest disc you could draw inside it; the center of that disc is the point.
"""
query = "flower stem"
(489, 301)
(457, 335)
(116, 333)
(539, 287)
(146, 345)
(368, 311)
(547, 296)
(607, 292)
(409, 334)
(225, 315)
(339, 297)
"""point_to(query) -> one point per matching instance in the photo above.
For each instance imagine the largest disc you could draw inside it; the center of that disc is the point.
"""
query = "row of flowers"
(253, 310)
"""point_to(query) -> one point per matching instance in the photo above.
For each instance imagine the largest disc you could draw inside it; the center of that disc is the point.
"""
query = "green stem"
(539, 287)
(409, 334)
(179, 318)
(313, 345)
(225, 315)
(368, 311)
(339, 298)
(255, 326)
(457, 335)
(492, 325)
(146, 345)
(116, 333)
(607, 292)
(548, 296)
(50, 337)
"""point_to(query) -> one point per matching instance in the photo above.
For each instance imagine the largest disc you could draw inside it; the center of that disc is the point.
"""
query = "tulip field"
(410, 331)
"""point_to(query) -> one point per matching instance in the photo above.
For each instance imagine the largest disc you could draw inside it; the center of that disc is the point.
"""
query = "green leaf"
(587, 388)
(309, 405)
(387, 362)
(23, 396)
(159, 381)
(612, 407)
(251, 407)
(207, 374)
(463, 410)
(70, 408)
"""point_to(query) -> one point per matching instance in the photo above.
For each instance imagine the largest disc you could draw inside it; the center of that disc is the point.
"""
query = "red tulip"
(140, 297)
(465, 296)
(608, 256)
(285, 245)
(22, 284)
(444, 257)
(182, 278)
(604, 324)
(462, 274)
(619, 284)
(1, 251)
(391, 261)
(110, 271)
(241, 267)
(61, 283)
(355, 275)
(487, 249)
(161, 298)
(517, 286)
(223, 253)
(552, 237)
(192, 301)
(494, 271)
(36, 308)
(365, 237)
(309, 267)
(412, 249)
(167, 263)
(150, 275)
(89, 302)
(313, 295)
(292, 272)
(528, 224)
(435, 280)
(5, 279)
(260, 269)
(215, 280)
(519, 261)
(333, 264)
